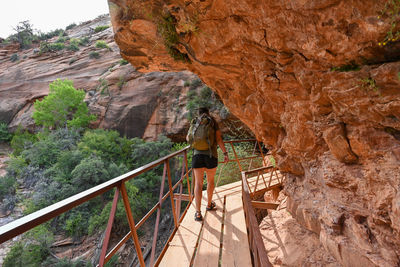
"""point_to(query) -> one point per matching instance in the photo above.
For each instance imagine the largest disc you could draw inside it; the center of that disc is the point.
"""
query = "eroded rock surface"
(311, 81)
(135, 104)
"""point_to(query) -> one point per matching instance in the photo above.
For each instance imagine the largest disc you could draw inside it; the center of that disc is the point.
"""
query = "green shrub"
(62, 39)
(51, 34)
(75, 225)
(101, 28)
(121, 82)
(14, 57)
(32, 251)
(101, 44)
(90, 172)
(73, 47)
(70, 26)
(56, 46)
(64, 106)
(84, 40)
(107, 145)
(21, 140)
(146, 152)
(123, 62)
(7, 186)
(94, 54)
(5, 135)
(51, 47)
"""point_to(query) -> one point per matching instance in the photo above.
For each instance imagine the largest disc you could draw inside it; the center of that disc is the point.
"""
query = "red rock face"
(135, 104)
(336, 133)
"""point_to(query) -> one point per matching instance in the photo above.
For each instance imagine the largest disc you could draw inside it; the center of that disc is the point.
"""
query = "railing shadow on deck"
(30, 221)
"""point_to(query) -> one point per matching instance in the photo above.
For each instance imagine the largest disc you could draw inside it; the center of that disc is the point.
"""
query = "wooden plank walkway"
(222, 236)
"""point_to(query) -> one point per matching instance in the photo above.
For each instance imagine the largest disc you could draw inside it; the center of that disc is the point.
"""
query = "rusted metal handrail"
(259, 253)
(30, 221)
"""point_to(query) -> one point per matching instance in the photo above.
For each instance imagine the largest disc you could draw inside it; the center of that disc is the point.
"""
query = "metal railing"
(30, 221)
(256, 243)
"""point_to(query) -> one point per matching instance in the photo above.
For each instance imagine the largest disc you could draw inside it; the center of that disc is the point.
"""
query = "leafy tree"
(64, 106)
(24, 34)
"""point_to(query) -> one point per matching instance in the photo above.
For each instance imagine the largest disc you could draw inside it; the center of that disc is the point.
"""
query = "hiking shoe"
(197, 216)
(212, 206)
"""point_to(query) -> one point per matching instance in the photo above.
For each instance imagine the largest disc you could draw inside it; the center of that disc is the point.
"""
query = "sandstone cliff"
(312, 81)
(135, 104)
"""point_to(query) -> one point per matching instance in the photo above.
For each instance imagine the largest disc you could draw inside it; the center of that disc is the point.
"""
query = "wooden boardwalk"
(221, 239)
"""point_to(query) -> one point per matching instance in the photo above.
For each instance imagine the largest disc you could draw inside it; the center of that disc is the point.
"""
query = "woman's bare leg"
(198, 187)
(210, 183)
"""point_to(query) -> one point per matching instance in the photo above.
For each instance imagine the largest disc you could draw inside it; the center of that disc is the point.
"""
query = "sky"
(47, 15)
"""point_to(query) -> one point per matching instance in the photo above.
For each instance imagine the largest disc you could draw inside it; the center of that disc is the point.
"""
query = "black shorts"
(204, 161)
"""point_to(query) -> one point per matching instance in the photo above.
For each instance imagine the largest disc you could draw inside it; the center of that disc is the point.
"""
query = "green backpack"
(201, 135)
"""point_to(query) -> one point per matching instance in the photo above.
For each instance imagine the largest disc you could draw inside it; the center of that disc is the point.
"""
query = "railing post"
(236, 157)
(262, 154)
(153, 247)
(109, 227)
(171, 193)
(132, 225)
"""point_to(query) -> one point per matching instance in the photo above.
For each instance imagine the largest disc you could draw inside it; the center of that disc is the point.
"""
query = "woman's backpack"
(201, 135)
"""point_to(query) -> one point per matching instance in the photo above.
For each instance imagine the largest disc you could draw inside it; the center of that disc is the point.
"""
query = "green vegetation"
(70, 26)
(121, 82)
(51, 34)
(84, 41)
(64, 160)
(5, 135)
(14, 57)
(63, 107)
(94, 54)
(23, 34)
(204, 97)
(101, 28)
(101, 44)
(32, 251)
(123, 62)
(62, 39)
(368, 84)
(103, 86)
(166, 28)
(51, 47)
(392, 12)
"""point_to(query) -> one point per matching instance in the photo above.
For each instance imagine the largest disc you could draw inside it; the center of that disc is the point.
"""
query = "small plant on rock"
(101, 44)
(101, 28)
(123, 62)
(392, 12)
(94, 54)
(368, 84)
(14, 57)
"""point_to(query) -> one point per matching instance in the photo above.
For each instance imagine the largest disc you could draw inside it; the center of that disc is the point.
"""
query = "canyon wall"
(314, 80)
(135, 104)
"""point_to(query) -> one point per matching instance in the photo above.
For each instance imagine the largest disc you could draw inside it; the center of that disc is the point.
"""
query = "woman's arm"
(221, 144)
